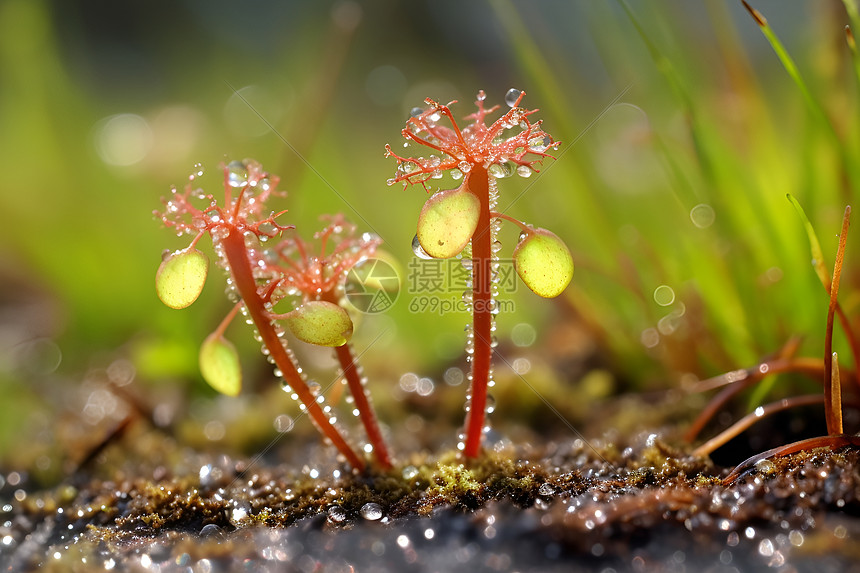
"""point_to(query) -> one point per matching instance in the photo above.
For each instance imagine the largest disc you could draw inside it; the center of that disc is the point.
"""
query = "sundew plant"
(262, 272)
(463, 221)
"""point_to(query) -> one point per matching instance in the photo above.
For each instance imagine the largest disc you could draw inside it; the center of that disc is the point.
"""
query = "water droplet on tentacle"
(237, 174)
(512, 96)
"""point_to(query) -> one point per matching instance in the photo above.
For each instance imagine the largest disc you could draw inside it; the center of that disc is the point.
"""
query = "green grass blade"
(789, 64)
(814, 245)
(852, 45)
(812, 102)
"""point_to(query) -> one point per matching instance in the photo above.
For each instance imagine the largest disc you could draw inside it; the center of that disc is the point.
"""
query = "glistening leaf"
(448, 221)
(321, 323)
(181, 276)
(219, 364)
(544, 263)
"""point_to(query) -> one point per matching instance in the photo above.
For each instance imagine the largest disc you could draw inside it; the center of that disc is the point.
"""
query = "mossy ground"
(607, 503)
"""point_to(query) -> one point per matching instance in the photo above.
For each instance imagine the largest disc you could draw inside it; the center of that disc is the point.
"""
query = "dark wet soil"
(566, 506)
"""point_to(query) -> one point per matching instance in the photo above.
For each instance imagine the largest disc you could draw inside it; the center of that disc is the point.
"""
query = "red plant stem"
(747, 421)
(831, 442)
(832, 388)
(482, 318)
(246, 285)
(362, 403)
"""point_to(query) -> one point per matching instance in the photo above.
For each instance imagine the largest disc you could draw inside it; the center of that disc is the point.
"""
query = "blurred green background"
(680, 139)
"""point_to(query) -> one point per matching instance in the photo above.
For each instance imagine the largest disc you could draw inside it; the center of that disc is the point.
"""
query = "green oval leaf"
(321, 323)
(219, 364)
(181, 276)
(544, 263)
(447, 222)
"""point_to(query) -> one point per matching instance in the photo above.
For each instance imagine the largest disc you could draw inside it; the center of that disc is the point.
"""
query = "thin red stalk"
(742, 380)
(735, 429)
(420, 140)
(832, 388)
(227, 320)
(482, 318)
(831, 442)
(836, 395)
(525, 228)
(362, 403)
(240, 266)
(853, 343)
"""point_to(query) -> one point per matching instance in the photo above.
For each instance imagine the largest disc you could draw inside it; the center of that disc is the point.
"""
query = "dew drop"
(491, 404)
(416, 112)
(464, 166)
(512, 96)
(496, 171)
(539, 144)
(765, 467)
(524, 171)
(419, 250)
(336, 514)
(237, 174)
(409, 472)
(371, 511)
(481, 95)
(502, 169)
(456, 174)
(240, 513)
(546, 489)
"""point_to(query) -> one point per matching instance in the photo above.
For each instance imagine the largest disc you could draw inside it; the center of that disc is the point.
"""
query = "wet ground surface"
(569, 507)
